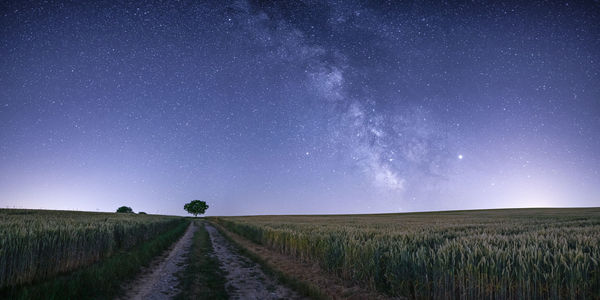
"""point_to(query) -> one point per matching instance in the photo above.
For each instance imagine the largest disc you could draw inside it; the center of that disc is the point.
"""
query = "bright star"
(460, 156)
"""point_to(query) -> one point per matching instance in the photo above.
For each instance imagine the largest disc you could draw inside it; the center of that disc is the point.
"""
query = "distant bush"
(142, 213)
(124, 209)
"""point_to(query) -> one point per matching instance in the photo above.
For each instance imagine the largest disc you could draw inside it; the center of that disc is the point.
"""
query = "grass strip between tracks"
(202, 277)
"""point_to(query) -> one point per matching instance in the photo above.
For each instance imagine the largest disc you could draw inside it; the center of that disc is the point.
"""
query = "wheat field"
(38, 244)
(492, 254)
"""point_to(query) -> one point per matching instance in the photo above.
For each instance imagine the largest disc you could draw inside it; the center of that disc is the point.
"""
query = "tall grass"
(37, 244)
(103, 279)
(500, 254)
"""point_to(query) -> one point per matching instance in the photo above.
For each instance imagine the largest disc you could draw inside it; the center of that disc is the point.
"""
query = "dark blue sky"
(299, 107)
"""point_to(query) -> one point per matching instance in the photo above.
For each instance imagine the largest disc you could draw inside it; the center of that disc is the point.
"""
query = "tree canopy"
(196, 207)
(124, 209)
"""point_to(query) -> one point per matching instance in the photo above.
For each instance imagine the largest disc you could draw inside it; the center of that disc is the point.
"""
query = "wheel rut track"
(159, 280)
(245, 278)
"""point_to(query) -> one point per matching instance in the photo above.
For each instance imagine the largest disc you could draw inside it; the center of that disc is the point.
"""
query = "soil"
(245, 279)
(159, 280)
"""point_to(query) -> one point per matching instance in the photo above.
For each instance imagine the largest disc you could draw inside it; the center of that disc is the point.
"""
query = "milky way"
(299, 107)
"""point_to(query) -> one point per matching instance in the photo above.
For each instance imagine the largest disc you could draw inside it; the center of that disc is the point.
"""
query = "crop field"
(38, 244)
(505, 254)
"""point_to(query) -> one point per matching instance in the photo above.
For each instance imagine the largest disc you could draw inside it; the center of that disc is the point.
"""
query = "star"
(165, 99)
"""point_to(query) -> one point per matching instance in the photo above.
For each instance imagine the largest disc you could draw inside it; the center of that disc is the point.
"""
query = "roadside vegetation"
(202, 277)
(65, 254)
(505, 254)
(299, 286)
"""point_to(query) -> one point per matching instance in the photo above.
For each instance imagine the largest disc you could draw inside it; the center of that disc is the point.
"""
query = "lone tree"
(196, 207)
(124, 209)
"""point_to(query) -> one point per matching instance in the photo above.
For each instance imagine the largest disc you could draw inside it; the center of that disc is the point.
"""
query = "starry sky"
(296, 107)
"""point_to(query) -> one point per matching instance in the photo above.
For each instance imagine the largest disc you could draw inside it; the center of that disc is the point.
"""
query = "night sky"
(299, 106)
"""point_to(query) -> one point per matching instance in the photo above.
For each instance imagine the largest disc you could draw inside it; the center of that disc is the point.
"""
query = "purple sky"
(299, 107)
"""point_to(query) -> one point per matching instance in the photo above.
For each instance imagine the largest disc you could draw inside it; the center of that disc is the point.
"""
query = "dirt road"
(245, 279)
(159, 280)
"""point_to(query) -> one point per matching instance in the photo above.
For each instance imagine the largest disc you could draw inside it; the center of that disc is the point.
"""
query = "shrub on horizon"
(125, 209)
